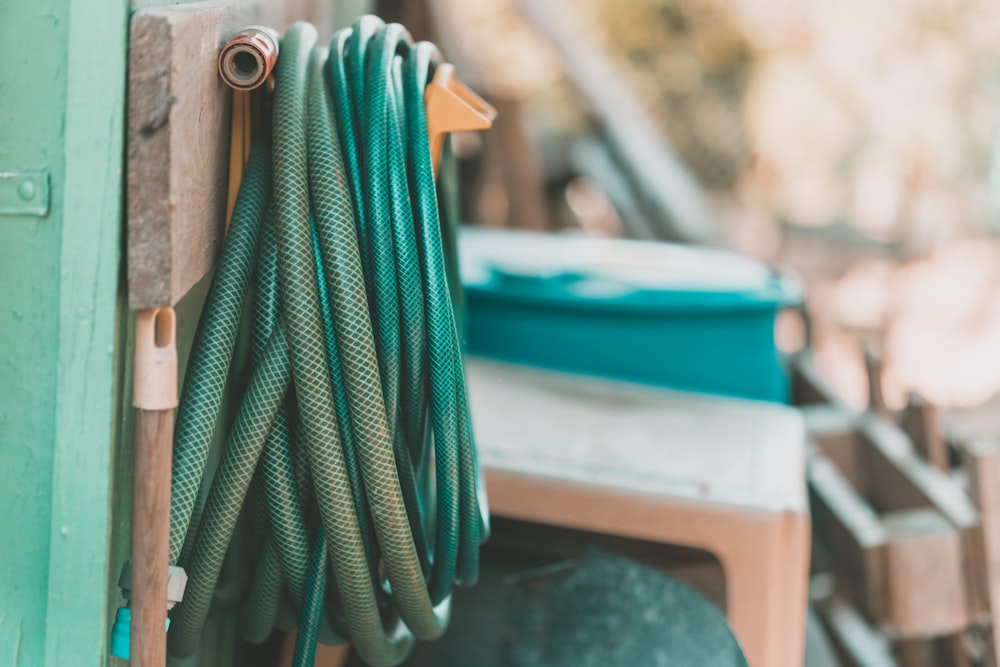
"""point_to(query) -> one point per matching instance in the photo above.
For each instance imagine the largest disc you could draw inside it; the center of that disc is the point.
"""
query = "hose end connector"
(121, 631)
(176, 583)
(247, 59)
(121, 634)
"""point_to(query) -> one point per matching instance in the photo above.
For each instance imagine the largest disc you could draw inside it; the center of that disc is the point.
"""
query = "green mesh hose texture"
(355, 419)
(215, 340)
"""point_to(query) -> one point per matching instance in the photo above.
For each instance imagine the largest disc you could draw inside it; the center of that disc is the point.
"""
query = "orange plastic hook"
(451, 107)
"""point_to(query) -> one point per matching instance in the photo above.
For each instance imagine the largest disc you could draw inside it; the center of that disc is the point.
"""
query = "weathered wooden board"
(924, 572)
(178, 140)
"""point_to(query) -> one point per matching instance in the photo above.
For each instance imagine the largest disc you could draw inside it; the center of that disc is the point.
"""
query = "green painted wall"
(65, 335)
(61, 109)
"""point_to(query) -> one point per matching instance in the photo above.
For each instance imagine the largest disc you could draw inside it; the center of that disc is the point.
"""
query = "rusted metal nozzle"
(248, 58)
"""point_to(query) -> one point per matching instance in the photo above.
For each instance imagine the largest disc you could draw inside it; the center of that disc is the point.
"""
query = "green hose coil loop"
(355, 417)
(215, 339)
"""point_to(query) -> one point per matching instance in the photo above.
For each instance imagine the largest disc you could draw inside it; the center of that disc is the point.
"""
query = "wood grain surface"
(178, 141)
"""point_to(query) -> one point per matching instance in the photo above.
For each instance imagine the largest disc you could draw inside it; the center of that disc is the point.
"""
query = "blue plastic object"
(121, 644)
(690, 318)
(120, 632)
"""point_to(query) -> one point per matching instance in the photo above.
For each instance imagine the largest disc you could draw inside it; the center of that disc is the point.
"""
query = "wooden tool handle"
(154, 434)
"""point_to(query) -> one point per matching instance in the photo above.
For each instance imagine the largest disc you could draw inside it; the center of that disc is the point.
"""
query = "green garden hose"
(355, 418)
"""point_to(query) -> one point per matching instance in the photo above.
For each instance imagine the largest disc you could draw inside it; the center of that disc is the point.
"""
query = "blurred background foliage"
(850, 141)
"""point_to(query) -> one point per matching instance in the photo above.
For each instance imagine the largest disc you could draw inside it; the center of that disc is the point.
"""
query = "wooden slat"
(921, 421)
(808, 386)
(878, 462)
(921, 485)
(851, 531)
(982, 462)
(860, 645)
(926, 592)
(178, 139)
(931, 577)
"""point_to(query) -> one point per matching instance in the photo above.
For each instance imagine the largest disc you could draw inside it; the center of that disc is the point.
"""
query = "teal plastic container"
(690, 318)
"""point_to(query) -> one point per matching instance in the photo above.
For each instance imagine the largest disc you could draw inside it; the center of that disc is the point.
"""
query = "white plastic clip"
(155, 386)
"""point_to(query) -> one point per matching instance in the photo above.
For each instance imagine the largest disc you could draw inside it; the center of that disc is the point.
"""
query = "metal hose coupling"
(247, 59)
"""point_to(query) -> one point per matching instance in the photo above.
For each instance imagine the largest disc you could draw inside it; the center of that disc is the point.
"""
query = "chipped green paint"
(62, 109)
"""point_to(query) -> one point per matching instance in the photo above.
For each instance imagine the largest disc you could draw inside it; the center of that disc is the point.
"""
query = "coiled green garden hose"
(355, 418)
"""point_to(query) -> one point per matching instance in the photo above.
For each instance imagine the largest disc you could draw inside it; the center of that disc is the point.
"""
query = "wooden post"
(154, 398)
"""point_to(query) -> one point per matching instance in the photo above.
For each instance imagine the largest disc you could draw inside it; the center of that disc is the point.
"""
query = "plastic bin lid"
(571, 270)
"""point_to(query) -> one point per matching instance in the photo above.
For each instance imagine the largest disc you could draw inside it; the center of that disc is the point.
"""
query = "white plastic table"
(723, 475)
